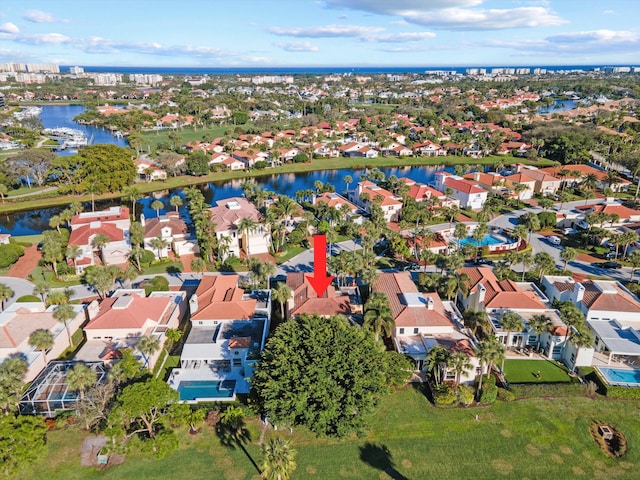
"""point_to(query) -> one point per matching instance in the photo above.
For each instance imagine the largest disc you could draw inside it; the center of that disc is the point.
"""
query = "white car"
(554, 240)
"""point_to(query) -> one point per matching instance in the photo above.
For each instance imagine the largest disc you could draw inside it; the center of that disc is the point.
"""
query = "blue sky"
(308, 33)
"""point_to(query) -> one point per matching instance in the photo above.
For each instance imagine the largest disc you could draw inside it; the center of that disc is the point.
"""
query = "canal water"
(34, 222)
(558, 106)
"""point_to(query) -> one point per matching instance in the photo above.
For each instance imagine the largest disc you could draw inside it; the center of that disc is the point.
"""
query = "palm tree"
(378, 315)
(527, 260)
(5, 294)
(73, 252)
(510, 321)
(437, 361)
(41, 339)
(157, 205)
(100, 241)
(568, 254)
(132, 194)
(176, 201)
(455, 284)
(159, 244)
(491, 352)
(459, 363)
(40, 288)
(81, 378)
(172, 335)
(538, 324)
(281, 294)
(246, 226)
(634, 261)
(147, 346)
(278, 462)
(129, 274)
(476, 320)
(63, 313)
(581, 338)
(198, 265)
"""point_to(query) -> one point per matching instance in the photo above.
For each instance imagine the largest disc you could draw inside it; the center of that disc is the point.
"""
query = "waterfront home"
(114, 224)
(19, 320)
(546, 184)
(467, 193)
(227, 215)
(305, 300)
(174, 233)
(575, 174)
(368, 192)
(149, 171)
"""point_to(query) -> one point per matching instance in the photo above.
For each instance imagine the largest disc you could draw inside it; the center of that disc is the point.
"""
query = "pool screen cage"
(50, 392)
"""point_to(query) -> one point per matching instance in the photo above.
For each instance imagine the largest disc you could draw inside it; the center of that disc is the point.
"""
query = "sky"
(320, 33)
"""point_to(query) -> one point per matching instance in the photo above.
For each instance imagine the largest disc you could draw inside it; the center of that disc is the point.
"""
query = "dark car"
(609, 265)
(482, 261)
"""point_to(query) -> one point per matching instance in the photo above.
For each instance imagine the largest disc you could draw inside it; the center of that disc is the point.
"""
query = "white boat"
(28, 113)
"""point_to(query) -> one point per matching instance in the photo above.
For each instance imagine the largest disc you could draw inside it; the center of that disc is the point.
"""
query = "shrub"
(230, 264)
(300, 158)
(260, 165)
(466, 395)
(547, 219)
(9, 254)
(147, 257)
(444, 395)
(155, 284)
(489, 394)
(549, 390)
(506, 395)
(28, 299)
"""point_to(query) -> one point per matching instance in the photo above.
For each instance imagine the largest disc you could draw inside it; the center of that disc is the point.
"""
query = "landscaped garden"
(408, 438)
(535, 371)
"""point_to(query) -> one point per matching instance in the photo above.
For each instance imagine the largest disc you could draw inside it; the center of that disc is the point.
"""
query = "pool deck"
(204, 374)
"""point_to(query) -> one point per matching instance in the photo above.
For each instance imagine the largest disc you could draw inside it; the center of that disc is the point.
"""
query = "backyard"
(535, 371)
(408, 439)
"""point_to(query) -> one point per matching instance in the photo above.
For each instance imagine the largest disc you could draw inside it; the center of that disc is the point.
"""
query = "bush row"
(530, 390)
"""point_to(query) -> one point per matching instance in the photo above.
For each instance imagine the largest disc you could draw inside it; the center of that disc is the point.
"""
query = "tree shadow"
(379, 457)
(236, 435)
(424, 389)
(174, 271)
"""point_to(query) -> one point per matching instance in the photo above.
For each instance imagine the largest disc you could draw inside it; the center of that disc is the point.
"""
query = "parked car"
(609, 265)
(482, 261)
(553, 240)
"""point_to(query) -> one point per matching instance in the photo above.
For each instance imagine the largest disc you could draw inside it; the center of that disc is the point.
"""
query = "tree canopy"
(322, 373)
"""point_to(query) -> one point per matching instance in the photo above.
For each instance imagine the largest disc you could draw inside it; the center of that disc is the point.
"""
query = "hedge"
(489, 394)
(444, 395)
(613, 391)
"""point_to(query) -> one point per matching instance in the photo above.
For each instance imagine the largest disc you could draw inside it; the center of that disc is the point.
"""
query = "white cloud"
(9, 27)
(578, 43)
(42, 38)
(403, 37)
(326, 31)
(297, 47)
(608, 12)
(38, 16)
(456, 14)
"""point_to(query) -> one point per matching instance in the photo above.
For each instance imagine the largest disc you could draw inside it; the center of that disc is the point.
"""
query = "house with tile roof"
(227, 215)
(423, 320)
(305, 300)
(228, 330)
(114, 223)
(391, 205)
(173, 230)
(424, 193)
(468, 193)
(546, 184)
(121, 320)
(521, 179)
(575, 174)
(336, 201)
(19, 320)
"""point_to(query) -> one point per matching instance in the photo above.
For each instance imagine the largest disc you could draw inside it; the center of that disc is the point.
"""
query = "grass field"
(525, 371)
(408, 439)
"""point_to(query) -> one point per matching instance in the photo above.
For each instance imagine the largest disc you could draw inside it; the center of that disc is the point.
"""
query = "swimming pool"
(621, 376)
(486, 240)
(191, 390)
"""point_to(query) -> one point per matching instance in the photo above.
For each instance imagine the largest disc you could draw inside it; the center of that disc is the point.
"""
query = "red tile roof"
(130, 312)
(219, 298)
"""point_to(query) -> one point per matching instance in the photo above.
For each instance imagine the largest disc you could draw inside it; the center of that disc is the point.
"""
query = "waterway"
(55, 116)
(33, 222)
(558, 106)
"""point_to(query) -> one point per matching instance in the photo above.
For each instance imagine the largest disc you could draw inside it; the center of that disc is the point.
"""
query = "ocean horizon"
(311, 70)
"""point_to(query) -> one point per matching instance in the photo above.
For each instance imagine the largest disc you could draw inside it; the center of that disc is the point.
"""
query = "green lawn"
(524, 371)
(408, 438)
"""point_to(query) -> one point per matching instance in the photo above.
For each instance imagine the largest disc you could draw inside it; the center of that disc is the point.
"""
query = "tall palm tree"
(459, 364)
(176, 201)
(246, 226)
(348, 180)
(159, 244)
(455, 284)
(476, 320)
(491, 352)
(41, 339)
(581, 338)
(157, 205)
(278, 459)
(132, 194)
(5, 294)
(147, 346)
(81, 378)
(63, 313)
(378, 315)
(73, 252)
(539, 324)
(281, 294)
(510, 321)
(568, 254)
(100, 241)
(198, 265)
(437, 361)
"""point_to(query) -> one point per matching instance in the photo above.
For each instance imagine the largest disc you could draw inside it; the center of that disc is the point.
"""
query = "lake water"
(558, 106)
(55, 116)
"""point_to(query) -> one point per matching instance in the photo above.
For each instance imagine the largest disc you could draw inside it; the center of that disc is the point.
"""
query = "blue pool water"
(621, 375)
(487, 240)
(192, 390)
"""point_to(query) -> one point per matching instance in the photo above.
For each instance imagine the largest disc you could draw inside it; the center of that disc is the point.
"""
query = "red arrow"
(319, 281)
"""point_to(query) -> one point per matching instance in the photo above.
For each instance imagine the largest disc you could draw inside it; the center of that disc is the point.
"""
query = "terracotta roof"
(306, 301)
(335, 200)
(129, 312)
(240, 342)
(228, 212)
(463, 186)
(219, 298)
(153, 226)
(82, 234)
(23, 323)
(504, 295)
(608, 298)
(396, 286)
(110, 215)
